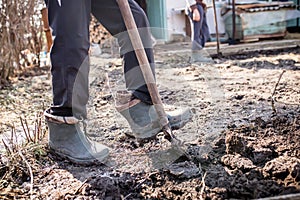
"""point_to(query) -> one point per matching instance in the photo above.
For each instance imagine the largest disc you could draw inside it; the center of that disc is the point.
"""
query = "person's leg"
(69, 56)
(108, 13)
(197, 29)
(205, 31)
(138, 111)
(70, 67)
(198, 42)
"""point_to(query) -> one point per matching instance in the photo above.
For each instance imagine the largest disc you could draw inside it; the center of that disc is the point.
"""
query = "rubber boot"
(143, 119)
(68, 141)
(201, 56)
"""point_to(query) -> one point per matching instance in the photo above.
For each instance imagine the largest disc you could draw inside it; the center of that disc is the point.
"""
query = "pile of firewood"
(98, 34)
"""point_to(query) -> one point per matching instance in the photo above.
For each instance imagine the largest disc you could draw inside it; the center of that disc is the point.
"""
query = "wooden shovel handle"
(47, 30)
(143, 61)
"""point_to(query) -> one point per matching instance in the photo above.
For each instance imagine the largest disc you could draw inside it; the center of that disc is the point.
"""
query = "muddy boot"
(201, 56)
(143, 119)
(68, 141)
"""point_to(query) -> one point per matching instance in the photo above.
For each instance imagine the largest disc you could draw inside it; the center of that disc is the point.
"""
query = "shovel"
(147, 73)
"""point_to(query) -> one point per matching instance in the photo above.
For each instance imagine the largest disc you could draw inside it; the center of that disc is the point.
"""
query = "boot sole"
(174, 126)
(80, 161)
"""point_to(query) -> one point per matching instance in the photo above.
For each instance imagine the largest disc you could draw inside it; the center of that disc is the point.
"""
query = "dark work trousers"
(69, 54)
(200, 30)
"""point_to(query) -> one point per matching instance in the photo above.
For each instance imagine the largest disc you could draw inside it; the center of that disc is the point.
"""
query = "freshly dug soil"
(243, 141)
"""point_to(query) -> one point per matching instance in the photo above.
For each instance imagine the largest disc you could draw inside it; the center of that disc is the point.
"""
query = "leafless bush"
(20, 31)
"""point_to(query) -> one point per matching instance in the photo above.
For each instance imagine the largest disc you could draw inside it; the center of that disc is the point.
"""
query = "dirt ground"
(240, 144)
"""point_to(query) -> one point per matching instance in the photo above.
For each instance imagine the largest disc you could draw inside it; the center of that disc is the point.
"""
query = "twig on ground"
(14, 144)
(35, 132)
(136, 187)
(203, 186)
(12, 134)
(30, 172)
(25, 130)
(80, 187)
(15, 134)
(273, 94)
(31, 140)
(127, 196)
(39, 135)
(8, 150)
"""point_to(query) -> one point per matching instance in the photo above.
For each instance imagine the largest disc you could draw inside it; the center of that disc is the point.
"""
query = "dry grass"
(21, 160)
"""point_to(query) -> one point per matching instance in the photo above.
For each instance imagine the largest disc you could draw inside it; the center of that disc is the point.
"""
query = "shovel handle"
(147, 73)
(143, 61)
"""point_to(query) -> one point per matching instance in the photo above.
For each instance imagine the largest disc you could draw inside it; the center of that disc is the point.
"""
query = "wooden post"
(217, 28)
(47, 30)
(233, 23)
